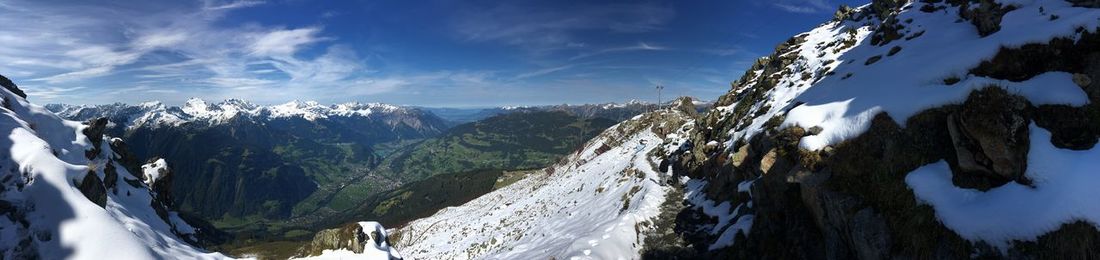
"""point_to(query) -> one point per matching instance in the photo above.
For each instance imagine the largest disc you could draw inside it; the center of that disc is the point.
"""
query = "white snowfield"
(41, 163)
(156, 114)
(577, 211)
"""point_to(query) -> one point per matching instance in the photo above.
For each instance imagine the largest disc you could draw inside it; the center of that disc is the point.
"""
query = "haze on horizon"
(436, 53)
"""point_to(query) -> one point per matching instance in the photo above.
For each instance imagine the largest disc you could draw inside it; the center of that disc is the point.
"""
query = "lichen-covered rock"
(990, 134)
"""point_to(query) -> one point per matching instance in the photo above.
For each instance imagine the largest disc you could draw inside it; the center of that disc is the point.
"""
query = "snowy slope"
(844, 92)
(46, 214)
(594, 204)
(837, 77)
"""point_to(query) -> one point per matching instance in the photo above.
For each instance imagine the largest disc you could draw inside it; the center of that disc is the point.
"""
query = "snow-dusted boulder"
(361, 240)
(154, 171)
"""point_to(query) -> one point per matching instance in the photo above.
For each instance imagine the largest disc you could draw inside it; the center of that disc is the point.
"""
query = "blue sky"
(441, 53)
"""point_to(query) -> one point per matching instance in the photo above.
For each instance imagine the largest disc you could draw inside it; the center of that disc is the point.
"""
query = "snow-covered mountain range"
(156, 114)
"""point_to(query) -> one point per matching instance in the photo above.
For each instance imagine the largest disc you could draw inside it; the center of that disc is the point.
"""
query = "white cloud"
(641, 46)
(284, 42)
(159, 40)
(544, 71)
(213, 6)
(803, 6)
(182, 46)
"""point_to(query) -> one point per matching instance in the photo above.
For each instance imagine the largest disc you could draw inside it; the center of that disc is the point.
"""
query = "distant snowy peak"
(155, 113)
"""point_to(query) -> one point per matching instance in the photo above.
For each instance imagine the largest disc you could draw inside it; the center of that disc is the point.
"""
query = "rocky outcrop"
(95, 130)
(990, 135)
(162, 185)
(365, 238)
(344, 237)
(10, 86)
(986, 15)
(92, 188)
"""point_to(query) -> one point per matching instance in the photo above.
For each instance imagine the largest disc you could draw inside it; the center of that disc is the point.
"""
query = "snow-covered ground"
(1065, 191)
(42, 163)
(844, 102)
(595, 205)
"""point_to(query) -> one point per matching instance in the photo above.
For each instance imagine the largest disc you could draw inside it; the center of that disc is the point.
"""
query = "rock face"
(92, 187)
(95, 130)
(990, 135)
(10, 86)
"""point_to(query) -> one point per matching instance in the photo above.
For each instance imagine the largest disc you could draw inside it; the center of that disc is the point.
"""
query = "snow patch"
(1064, 191)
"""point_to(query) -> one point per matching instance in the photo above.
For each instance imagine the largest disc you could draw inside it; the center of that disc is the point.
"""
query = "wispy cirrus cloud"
(211, 5)
(540, 27)
(803, 6)
(69, 46)
(641, 46)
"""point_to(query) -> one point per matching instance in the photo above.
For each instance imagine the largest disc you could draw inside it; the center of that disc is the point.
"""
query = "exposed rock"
(738, 157)
(125, 157)
(887, 32)
(843, 13)
(893, 51)
(1082, 80)
(687, 106)
(94, 132)
(352, 237)
(1085, 3)
(10, 86)
(990, 134)
(343, 237)
(870, 235)
(768, 161)
(873, 59)
(884, 8)
(92, 188)
(986, 17)
(863, 234)
(1071, 127)
(110, 176)
(163, 185)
